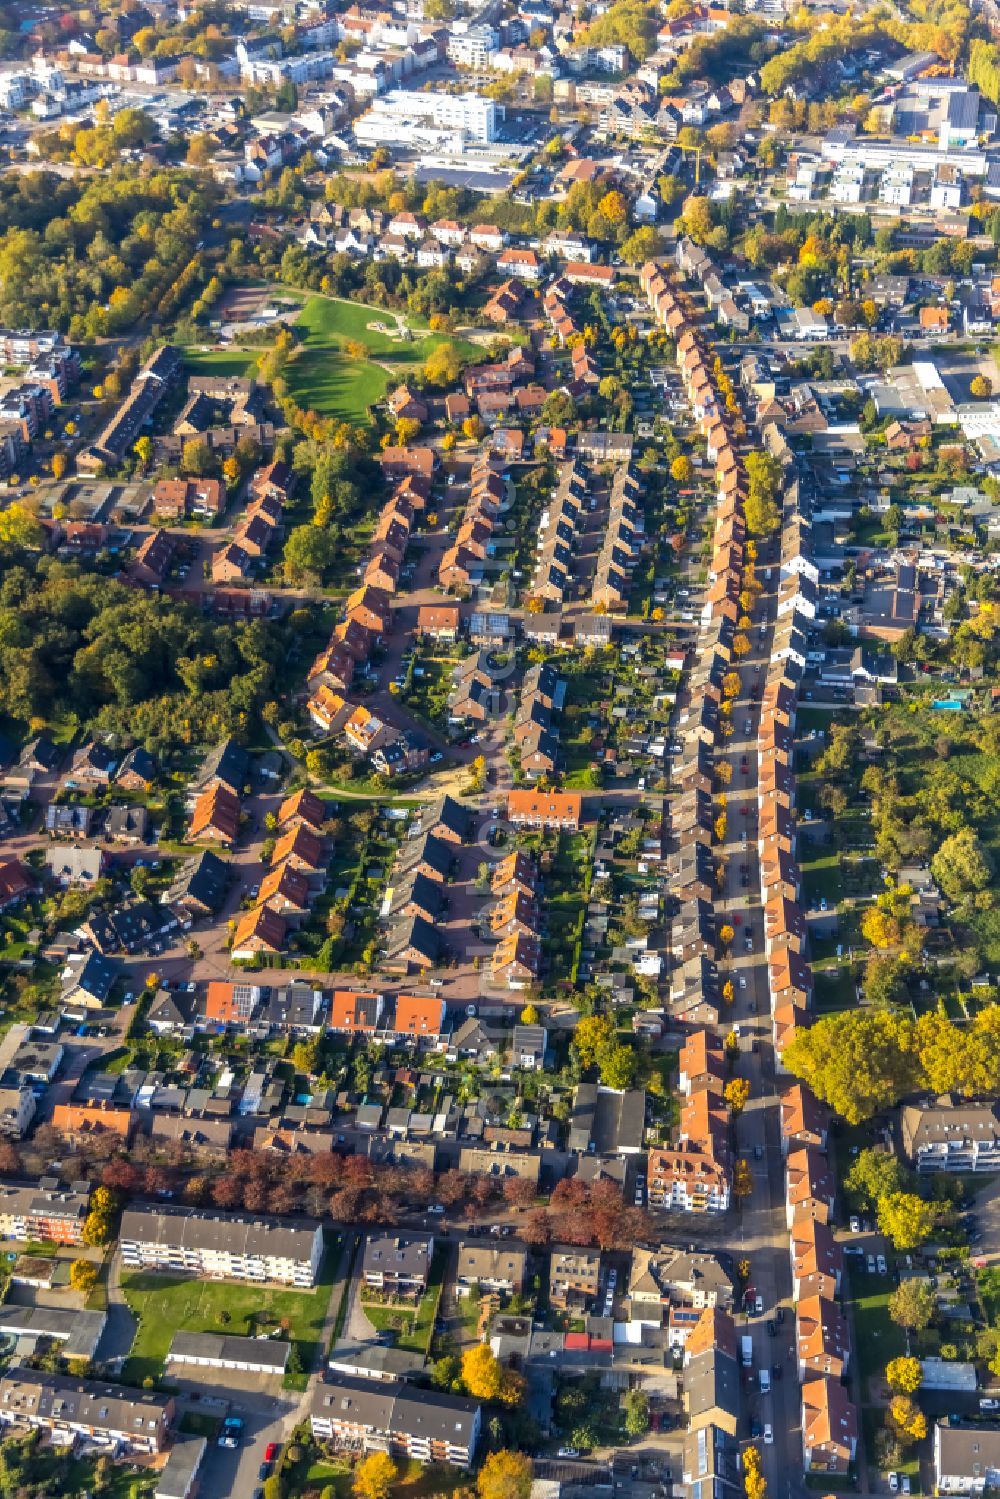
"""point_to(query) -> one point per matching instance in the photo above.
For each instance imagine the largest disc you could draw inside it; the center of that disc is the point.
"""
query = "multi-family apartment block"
(227, 1246)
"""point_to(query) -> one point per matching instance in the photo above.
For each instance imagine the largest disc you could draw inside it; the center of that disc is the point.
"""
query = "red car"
(271, 1452)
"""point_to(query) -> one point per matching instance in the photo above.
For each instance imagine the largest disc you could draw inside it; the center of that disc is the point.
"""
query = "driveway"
(357, 1328)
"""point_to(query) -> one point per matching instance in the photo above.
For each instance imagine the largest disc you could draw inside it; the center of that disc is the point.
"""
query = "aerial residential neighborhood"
(499, 749)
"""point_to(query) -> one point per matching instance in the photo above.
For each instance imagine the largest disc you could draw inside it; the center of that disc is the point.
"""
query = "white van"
(765, 1381)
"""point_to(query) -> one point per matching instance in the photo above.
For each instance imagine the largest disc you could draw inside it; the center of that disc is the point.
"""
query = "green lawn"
(323, 377)
(239, 362)
(822, 878)
(878, 1337)
(327, 323)
(834, 989)
(165, 1304)
(324, 381)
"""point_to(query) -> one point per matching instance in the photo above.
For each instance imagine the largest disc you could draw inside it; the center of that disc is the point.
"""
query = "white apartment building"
(687, 1181)
(848, 183)
(16, 89)
(473, 48)
(222, 1246)
(896, 185)
(406, 111)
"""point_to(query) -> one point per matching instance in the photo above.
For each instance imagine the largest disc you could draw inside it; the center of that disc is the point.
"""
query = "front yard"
(414, 1325)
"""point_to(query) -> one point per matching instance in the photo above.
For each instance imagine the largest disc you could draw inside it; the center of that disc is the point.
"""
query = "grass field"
(327, 323)
(325, 379)
(330, 384)
(165, 1304)
(330, 323)
(238, 362)
(879, 1339)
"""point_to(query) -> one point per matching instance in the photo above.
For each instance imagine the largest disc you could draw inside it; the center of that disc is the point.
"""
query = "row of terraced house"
(696, 1175)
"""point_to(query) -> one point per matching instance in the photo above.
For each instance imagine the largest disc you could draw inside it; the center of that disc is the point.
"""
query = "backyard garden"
(165, 1304)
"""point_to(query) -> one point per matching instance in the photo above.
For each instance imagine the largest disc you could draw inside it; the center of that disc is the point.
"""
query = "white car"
(768, 1436)
(743, 982)
(568, 1452)
(871, 1264)
(855, 1225)
(893, 1483)
(882, 1267)
(906, 1483)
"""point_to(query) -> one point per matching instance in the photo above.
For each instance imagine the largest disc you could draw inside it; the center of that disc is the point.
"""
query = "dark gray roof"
(178, 1473)
(271, 1353)
(128, 822)
(228, 763)
(397, 1254)
(201, 879)
(449, 814)
(94, 976)
(712, 1382)
(139, 761)
(430, 850)
(194, 1229)
(417, 933)
(390, 1407)
(79, 1332)
(966, 1451)
(963, 109)
(97, 1405)
(376, 1361)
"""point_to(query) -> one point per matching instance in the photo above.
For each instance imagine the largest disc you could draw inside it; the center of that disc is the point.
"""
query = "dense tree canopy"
(130, 662)
(89, 255)
(862, 1061)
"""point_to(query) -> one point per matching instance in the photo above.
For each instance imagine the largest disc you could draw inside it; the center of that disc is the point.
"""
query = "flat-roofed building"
(77, 1332)
(179, 1476)
(210, 1350)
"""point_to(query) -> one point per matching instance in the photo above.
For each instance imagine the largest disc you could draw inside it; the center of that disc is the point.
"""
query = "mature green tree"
(309, 551)
(962, 865)
(636, 1413)
(858, 1062)
(906, 1219)
(875, 1174)
(913, 1305)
